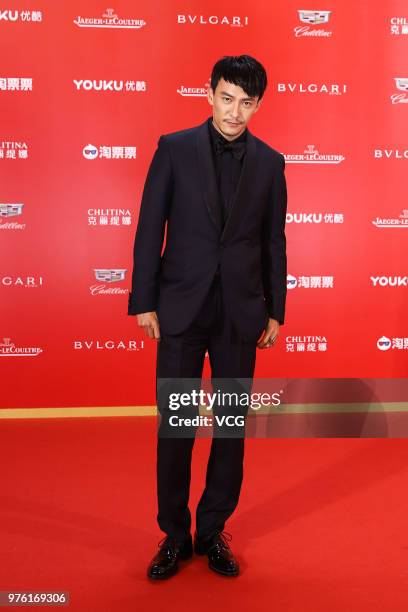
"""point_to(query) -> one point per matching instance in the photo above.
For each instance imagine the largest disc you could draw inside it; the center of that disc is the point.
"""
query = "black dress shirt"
(227, 167)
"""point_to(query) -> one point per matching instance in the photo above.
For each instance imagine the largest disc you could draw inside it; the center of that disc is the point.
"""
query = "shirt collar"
(216, 134)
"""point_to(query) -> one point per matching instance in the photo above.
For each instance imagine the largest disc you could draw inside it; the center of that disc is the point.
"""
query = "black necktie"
(237, 148)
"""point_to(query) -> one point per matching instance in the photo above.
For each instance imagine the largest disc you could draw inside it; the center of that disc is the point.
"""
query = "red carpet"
(321, 524)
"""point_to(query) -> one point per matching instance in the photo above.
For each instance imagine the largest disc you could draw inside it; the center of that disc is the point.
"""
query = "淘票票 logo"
(385, 344)
(108, 152)
(309, 282)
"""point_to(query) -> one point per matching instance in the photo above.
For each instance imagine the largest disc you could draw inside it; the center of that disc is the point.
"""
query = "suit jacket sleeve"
(274, 262)
(149, 235)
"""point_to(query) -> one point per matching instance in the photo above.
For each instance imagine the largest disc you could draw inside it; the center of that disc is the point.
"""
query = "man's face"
(232, 108)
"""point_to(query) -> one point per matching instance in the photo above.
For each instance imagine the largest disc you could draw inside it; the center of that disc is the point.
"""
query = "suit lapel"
(242, 196)
(208, 176)
(209, 180)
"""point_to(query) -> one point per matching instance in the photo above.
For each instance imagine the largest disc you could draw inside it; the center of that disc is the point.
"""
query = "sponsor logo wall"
(101, 84)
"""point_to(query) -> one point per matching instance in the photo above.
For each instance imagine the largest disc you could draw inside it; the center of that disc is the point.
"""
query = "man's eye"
(226, 99)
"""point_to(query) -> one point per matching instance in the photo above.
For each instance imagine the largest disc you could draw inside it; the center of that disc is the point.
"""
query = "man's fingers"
(152, 330)
(267, 342)
(149, 331)
(156, 331)
(150, 324)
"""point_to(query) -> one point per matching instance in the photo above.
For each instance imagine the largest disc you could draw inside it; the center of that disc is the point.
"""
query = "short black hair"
(242, 70)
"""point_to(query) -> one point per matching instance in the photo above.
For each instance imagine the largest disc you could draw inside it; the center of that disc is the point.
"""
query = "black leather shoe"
(165, 563)
(220, 557)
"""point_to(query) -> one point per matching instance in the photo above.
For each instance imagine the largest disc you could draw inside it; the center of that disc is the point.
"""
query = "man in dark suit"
(219, 286)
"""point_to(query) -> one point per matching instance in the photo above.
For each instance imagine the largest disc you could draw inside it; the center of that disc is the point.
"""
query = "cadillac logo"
(314, 17)
(402, 84)
(109, 276)
(11, 210)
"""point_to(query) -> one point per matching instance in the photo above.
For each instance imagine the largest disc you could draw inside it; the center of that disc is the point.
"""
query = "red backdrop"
(85, 93)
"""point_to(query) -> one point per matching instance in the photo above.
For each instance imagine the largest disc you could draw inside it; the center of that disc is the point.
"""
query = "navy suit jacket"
(181, 191)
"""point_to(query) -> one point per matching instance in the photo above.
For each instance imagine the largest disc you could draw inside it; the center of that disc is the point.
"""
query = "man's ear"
(210, 95)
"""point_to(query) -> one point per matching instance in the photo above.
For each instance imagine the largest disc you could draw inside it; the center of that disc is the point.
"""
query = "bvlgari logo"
(108, 345)
(109, 20)
(28, 282)
(313, 18)
(234, 21)
(108, 275)
(331, 89)
(392, 222)
(391, 153)
(401, 83)
(312, 156)
(9, 349)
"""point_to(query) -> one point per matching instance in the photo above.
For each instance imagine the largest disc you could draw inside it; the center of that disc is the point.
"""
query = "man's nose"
(235, 110)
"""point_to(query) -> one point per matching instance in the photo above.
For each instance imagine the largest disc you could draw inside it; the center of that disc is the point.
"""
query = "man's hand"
(269, 335)
(150, 323)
